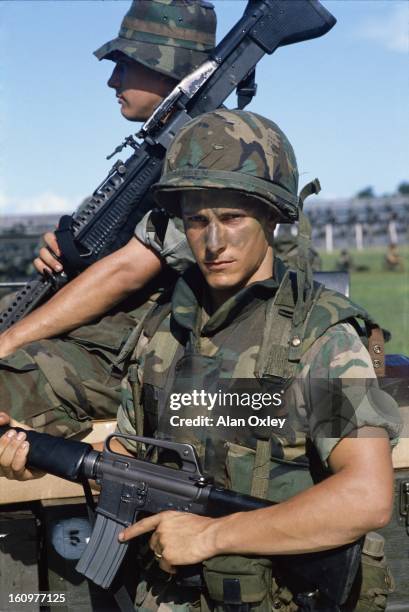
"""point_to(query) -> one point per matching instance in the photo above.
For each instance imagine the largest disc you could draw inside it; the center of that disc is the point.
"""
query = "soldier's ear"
(272, 220)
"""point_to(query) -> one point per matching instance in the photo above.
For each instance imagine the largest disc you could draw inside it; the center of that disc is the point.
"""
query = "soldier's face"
(139, 90)
(230, 236)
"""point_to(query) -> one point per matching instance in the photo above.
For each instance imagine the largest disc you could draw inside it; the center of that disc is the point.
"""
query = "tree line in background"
(368, 192)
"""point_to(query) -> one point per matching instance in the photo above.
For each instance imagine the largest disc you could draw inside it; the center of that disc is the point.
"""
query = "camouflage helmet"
(232, 149)
(170, 36)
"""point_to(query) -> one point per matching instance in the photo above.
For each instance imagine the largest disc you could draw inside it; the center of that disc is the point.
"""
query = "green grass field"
(384, 294)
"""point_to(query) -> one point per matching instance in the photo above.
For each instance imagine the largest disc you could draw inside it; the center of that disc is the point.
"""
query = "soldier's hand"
(13, 453)
(47, 261)
(179, 538)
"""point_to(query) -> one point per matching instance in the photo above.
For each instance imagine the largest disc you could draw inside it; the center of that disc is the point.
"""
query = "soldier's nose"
(114, 80)
(215, 243)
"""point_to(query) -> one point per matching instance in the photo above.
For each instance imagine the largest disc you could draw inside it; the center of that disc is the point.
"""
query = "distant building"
(358, 222)
(28, 224)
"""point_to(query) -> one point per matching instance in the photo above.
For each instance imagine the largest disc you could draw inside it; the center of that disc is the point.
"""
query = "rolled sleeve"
(342, 392)
(173, 247)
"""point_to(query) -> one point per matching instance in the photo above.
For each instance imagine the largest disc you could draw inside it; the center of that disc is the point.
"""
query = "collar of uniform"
(188, 299)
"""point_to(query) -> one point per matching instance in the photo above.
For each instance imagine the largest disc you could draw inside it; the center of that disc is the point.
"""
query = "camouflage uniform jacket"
(334, 390)
(181, 349)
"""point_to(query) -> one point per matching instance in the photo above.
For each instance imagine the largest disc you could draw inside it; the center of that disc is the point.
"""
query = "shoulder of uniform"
(329, 309)
(339, 350)
(340, 333)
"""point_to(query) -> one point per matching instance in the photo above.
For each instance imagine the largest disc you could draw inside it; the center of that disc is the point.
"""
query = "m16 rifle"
(107, 220)
(131, 486)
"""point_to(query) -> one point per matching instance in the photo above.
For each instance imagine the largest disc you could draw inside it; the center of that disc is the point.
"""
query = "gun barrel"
(12, 285)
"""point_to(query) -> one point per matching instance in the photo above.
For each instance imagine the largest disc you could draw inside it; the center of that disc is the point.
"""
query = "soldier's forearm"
(355, 500)
(88, 296)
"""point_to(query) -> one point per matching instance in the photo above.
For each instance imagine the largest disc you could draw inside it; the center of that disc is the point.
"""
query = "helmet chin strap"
(304, 270)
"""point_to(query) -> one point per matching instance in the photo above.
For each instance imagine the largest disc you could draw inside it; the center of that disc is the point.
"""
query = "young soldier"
(237, 316)
(58, 385)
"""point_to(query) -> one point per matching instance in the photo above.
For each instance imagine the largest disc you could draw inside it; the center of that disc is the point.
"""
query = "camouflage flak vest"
(254, 461)
(170, 357)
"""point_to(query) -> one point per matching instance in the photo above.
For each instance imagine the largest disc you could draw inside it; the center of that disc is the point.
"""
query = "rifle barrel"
(12, 285)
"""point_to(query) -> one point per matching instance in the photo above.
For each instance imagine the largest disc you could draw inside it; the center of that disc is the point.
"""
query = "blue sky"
(342, 99)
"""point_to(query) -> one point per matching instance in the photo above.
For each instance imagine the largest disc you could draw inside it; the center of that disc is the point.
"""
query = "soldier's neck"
(217, 297)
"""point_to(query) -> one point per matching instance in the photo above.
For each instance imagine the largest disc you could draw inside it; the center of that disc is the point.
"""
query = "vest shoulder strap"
(149, 323)
(282, 348)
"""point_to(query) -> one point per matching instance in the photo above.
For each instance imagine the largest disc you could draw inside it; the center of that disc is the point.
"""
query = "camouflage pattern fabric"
(224, 347)
(59, 385)
(172, 37)
(235, 150)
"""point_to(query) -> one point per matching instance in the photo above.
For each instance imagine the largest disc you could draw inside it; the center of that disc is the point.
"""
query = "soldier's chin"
(132, 114)
(224, 282)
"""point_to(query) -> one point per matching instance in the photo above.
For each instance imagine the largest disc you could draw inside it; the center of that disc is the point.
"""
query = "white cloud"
(44, 203)
(391, 30)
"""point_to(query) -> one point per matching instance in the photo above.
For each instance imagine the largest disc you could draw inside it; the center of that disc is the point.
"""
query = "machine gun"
(131, 486)
(108, 218)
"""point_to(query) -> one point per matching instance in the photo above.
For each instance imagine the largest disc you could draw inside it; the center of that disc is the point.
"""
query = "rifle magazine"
(104, 554)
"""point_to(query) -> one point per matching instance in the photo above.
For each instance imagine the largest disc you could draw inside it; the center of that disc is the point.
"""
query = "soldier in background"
(158, 44)
(393, 261)
(60, 384)
(345, 262)
(80, 382)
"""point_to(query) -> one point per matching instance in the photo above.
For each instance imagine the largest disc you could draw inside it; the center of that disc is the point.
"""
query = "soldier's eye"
(232, 217)
(196, 219)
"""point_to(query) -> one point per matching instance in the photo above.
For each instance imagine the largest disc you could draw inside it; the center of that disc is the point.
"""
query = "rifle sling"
(72, 260)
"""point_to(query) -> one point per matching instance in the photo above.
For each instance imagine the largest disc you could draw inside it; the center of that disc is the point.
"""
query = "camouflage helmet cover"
(237, 150)
(170, 36)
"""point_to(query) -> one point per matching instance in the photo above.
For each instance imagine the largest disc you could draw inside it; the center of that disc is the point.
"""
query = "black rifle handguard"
(57, 456)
